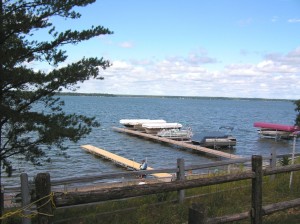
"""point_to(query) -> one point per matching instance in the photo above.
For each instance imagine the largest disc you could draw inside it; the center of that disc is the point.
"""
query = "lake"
(200, 114)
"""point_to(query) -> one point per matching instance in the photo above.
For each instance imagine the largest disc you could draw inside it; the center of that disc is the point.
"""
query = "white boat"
(139, 124)
(129, 123)
(154, 128)
(176, 134)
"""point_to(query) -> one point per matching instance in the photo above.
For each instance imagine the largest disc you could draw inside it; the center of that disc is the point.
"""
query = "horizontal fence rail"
(113, 175)
(74, 198)
(61, 199)
(267, 210)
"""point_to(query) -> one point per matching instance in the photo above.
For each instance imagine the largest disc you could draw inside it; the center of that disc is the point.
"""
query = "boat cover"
(161, 125)
(140, 122)
(278, 127)
(127, 121)
(201, 137)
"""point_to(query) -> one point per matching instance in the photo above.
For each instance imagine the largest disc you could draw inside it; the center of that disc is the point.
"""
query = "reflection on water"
(199, 114)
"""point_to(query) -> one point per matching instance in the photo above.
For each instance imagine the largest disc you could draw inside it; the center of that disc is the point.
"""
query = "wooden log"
(267, 210)
(217, 163)
(74, 198)
(282, 169)
(44, 205)
(108, 175)
(229, 218)
(256, 211)
(272, 208)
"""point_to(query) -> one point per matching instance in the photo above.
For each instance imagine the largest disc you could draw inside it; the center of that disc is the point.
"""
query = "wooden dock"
(122, 161)
(179, 143)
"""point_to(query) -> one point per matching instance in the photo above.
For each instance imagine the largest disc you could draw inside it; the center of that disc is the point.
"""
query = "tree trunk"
(1, 116)
(1, 55)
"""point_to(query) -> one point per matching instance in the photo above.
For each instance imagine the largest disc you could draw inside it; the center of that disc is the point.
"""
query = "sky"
(212, 48)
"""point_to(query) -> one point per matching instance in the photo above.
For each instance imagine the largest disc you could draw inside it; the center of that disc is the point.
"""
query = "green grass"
(219, 200)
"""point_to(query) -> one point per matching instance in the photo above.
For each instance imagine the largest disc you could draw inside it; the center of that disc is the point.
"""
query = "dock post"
(25, 193)
(180, 176)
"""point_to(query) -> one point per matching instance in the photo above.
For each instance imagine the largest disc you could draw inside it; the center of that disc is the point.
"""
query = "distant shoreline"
(169, 97)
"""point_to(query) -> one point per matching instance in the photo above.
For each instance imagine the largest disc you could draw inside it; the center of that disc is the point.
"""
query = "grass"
(219, 200)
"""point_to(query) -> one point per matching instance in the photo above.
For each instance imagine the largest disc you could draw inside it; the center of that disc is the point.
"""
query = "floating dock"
(179, 143)
(122, 161)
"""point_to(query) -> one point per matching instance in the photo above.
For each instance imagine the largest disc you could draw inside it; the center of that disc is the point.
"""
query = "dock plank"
(120, 160)
(179, 143)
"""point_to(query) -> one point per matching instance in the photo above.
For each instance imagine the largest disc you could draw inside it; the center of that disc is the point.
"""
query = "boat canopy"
(201, 137)
(278, 127)
(127, 121)
(161, 125)
(140, 122)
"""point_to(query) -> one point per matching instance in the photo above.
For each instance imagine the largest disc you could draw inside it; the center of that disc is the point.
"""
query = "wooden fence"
(46, 197)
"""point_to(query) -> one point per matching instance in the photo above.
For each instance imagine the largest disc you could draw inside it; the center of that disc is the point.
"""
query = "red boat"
(277, 131)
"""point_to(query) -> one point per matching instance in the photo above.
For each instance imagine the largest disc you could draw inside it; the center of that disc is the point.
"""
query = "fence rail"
(180, 184)
(113, 175)
(266, 210)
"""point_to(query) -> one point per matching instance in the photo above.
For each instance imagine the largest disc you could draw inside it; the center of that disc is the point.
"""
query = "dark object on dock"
(214, 139)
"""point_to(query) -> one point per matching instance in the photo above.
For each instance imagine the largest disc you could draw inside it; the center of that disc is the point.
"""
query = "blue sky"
(213, 48)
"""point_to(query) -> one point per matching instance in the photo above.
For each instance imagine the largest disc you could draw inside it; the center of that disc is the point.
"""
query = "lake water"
(199, 114)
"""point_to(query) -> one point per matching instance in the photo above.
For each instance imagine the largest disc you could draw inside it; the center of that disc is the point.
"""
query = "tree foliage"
(31, 115)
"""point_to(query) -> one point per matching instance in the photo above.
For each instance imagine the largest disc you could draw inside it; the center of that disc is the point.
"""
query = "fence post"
(197, 214)
(25, 195)
(180, 176)
(273, 161)
(1, 199)
(256, 210)
(44, 203)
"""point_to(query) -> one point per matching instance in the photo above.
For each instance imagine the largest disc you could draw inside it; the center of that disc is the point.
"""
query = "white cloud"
(294, 20)
(264, 64)
(126, 44)
(277, 76)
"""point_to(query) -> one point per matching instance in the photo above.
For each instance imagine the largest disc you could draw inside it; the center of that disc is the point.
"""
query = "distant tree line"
(165, 96)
